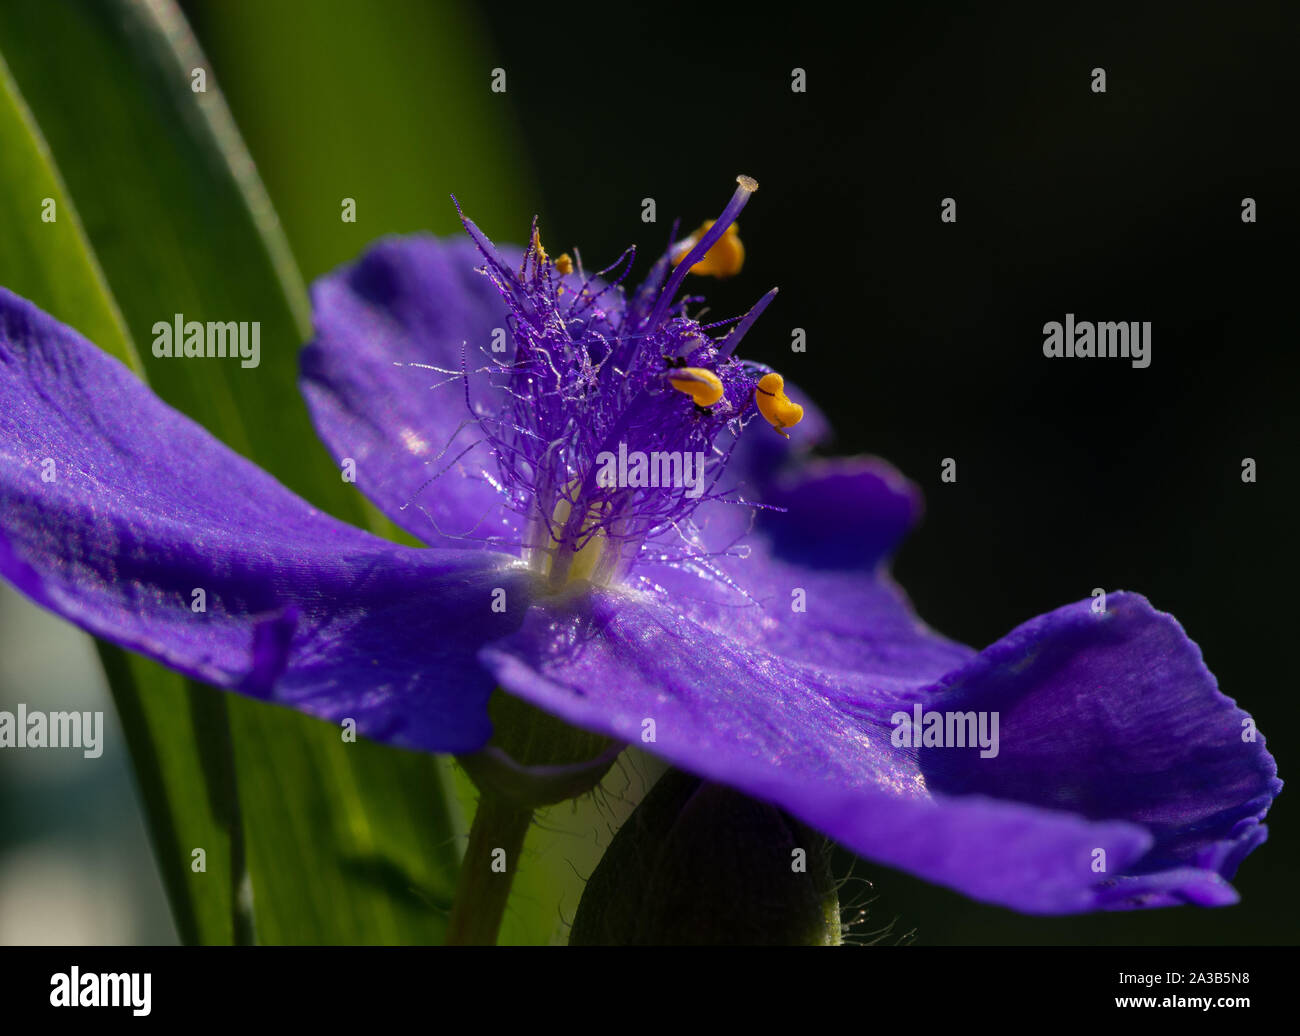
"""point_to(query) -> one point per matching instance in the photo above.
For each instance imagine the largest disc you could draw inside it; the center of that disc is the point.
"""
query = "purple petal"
(840, 514)
(778, 588)
(817, 741)
(145, 508)
(419, 457)
(1114, 715)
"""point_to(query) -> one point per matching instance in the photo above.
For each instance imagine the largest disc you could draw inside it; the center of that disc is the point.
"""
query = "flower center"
(607, 422)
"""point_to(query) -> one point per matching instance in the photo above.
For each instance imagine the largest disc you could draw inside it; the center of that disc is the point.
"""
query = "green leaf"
(344, 842)
(50, 262)
(175, 214)
(384, 103)
(44, 255)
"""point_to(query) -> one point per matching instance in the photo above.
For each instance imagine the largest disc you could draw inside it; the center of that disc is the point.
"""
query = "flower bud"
(699, 864)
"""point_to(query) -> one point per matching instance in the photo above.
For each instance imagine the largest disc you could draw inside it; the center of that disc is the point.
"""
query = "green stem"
(481, 891)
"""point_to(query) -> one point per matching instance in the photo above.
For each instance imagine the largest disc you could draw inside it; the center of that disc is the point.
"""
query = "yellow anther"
(781, 413)
(723, 259)
(537, 247)
(700, 384)
(564, 264)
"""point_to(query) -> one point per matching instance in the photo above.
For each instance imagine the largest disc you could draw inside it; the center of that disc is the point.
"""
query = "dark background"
(924, 338)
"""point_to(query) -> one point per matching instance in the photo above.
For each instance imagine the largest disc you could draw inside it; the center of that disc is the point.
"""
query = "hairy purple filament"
(590, 373)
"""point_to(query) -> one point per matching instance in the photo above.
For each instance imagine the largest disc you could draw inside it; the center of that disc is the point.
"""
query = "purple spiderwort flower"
(627, 607)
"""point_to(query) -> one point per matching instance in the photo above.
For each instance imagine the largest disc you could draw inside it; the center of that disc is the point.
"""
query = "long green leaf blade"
(44, 256)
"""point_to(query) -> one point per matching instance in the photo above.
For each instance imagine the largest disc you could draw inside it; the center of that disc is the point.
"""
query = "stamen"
(481, 242)
(778, 409)
(732, 340)
(588, 381)
(747, 186)
(701, 384)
